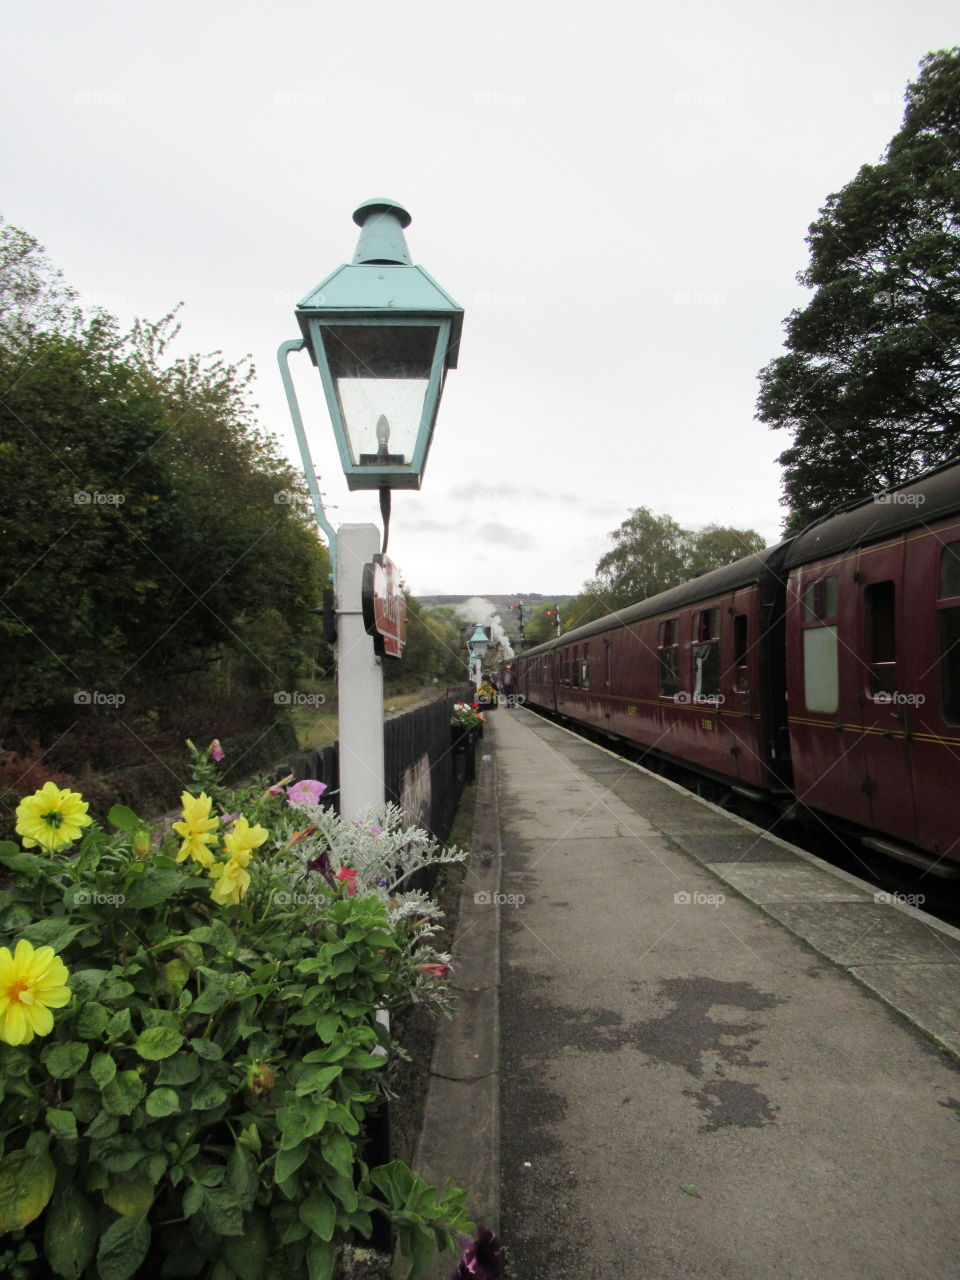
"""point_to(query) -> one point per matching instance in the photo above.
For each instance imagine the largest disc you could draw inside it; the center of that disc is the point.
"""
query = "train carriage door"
(823, 674)
(931, 685)
(883, 678)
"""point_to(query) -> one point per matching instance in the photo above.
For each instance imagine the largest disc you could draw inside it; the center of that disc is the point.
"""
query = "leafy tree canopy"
(870, 386)
(151, 532)
(651, 553)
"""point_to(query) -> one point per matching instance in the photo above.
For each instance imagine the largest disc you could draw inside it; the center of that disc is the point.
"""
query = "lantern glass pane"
(381, 374)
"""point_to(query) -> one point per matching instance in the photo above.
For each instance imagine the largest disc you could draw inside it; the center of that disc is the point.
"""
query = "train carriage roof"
(920, 502)
(718, 582)
(932, 496)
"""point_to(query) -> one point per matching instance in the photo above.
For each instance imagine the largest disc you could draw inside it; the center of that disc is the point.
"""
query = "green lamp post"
(477, 647)
(382, 334)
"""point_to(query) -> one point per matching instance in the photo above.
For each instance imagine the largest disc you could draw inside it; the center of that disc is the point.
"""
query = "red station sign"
(384, 607)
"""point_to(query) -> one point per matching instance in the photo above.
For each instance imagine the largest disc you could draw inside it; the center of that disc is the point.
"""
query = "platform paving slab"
(687, 1088)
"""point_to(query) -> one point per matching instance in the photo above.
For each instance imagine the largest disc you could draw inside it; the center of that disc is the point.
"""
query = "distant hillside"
(501, 603)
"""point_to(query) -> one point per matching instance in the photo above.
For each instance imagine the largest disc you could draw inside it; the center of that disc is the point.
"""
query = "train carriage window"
(820, 600)
(706, 653)
(585, 667)
(821, 683)
(741, 672)
(950, 664)
(880, 626)
(668, 657)
(575, 669)
(821, 665)
(950, 571)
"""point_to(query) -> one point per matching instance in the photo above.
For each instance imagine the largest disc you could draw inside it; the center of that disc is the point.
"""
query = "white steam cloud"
(475, 610)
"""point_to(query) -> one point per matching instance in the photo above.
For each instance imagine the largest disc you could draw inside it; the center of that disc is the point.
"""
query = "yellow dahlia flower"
(243, 838)
(232, 879)
(31, 984)
(52, 818)
(195, 829)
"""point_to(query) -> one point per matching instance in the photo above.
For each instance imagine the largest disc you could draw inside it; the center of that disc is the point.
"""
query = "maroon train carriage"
(690, 673)
(873, 669)
(854, 625)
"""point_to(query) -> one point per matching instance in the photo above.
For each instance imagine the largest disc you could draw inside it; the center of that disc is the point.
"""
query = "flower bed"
(192, 1040)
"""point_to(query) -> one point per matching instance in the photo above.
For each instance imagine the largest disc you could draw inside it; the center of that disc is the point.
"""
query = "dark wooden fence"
(424, 772)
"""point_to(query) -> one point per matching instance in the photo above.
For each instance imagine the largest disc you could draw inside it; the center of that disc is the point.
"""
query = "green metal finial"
(381, 235)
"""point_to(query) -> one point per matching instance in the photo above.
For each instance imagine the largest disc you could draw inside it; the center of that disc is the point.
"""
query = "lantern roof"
(381, 282)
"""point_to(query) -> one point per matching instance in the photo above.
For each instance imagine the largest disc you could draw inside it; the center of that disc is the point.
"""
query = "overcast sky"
(617, 194)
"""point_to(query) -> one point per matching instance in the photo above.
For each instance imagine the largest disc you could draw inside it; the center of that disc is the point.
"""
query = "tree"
(652, 553)
(33, 294)
(153, 537)
(870, 386)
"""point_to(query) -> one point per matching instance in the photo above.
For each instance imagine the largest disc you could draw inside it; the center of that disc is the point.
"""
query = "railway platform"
(718, 1056)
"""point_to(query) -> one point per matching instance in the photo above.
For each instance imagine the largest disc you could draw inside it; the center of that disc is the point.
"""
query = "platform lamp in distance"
(477, 647)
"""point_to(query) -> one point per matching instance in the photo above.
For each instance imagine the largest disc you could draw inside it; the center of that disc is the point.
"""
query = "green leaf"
(315, 1079)
(192, 1199)
(288, 1162)
(153, 886)
(18, 860)
(208, 1049)
(115, 988)
(53, 932)
(217, 935)
(422, 1251)
(326, 1026)
(222, 1212)
(339, 1152)
(320, 1215)
(123, 1248)
(162, 1102)
(248, 1254)
(176, 974)
(86, 983)
(208, 1096)
(213, 997)
(118, 1154)
(158, 1042)
(121, 1095)
(104, 1125)
(182, 1069)
(130, 1196)
(321, 1260)
(92, 1020)
(103, 1069)
(124, 819)
(243, 1176)
(62, 1124)
(119, 1024)
(70, 1232)
(65, 1060)
(26, 1184)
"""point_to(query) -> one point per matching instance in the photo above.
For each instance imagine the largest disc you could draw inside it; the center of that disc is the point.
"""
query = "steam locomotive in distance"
(824, 670)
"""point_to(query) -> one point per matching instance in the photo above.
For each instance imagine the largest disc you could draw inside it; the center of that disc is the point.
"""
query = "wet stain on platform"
(733, 1104)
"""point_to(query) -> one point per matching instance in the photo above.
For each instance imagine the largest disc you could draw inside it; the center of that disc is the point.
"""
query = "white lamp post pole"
(359, 677)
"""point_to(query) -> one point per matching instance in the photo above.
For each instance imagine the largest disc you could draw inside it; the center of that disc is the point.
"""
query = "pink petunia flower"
(436, 970)
(216, 750)
(308, 791)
